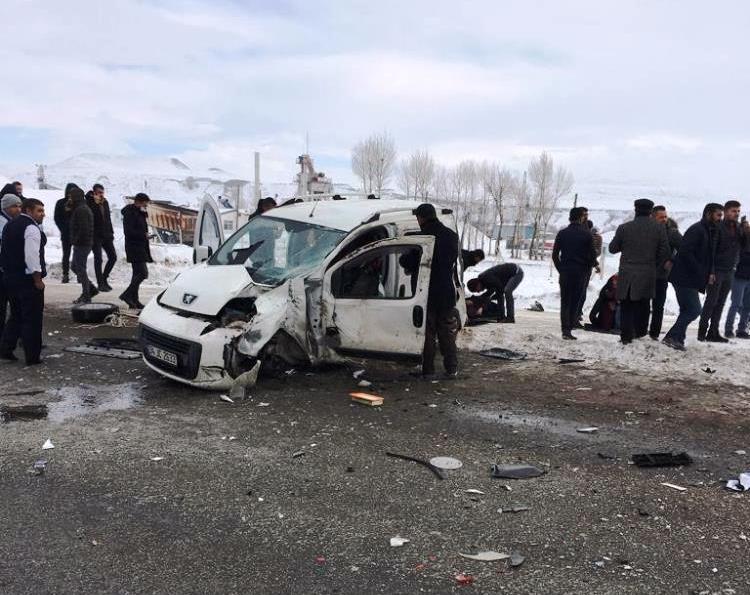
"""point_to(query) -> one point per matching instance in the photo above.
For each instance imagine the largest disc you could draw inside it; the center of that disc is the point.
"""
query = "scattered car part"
(674, 486)
(741, 484)
(104, 351)
(518, 508)
(366, 399)
(516, 559)
(588, 430)
(364, 384)
(474, 491)
(48, 445)
(398, 541)
(505, 354)
(516, 471)
(662, 459)
(464, 579)
(93, 313)
(488, 556)
(39, 467)
(22, 412)
(116, 343)
(446, 463)
(226, 398)
(567, 360)
(438, 472)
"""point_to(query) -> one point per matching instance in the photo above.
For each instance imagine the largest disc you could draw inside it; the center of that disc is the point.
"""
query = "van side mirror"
(202, 254)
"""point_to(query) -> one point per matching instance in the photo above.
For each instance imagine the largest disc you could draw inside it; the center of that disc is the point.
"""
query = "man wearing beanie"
(644, 248)
(81, 240)
(10, 208)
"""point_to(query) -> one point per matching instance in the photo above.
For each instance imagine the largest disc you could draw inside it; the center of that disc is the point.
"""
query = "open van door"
(376, 299)
(209, 231)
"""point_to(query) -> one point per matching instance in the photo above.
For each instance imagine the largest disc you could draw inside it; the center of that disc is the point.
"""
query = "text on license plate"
(165, 356)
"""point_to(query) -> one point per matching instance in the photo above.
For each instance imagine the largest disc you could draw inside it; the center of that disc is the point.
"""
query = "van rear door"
(376, 299)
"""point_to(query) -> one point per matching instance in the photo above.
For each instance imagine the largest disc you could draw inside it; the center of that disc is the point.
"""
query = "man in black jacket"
(62, 220)
(692, 271)
(573, 255)
(10, 208)
(104, 235)
(740, 294)
(81, 240)
(499, 282)
(442, 318)
(137, 251)
(730, 238)
(22, 260)
(659, 214)
(470, 258)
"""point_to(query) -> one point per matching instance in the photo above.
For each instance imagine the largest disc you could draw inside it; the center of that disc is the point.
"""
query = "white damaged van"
(302, 284)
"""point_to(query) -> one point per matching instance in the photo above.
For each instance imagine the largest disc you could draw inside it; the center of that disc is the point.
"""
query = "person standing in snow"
(645, 248)
(598, 252)
(104, 235)
(740, 296)
(730, 238)
(573, 256)
(692, 272)
(498, 282)
(442, 317)
(62, 220)
(81, 240)
(10, 208)
(137, 250)
(659, 214)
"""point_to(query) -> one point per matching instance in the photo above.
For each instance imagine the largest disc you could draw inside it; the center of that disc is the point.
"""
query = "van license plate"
(165, 356)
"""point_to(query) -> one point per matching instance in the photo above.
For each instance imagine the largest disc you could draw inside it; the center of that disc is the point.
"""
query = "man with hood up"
(81, 239)
(137, 251)
(62, 220)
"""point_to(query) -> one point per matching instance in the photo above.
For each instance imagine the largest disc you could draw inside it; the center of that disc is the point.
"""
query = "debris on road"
(298, 454)
(605, 456)
(226, 398)
(674, 487)
(516, 559)
(22, 412)
(358, 374)
(708, 370)
(39, 467)
(588, 430)
(398, 541)
(364, 383)
(662, 459)
(438, 472)
(474, 491)
(367, 399)
(464, 579)
(157, 458)
(488, 556)
(535, 307)
(740, 452)
(741, 484)
(48, 445)
(446, 463)
(519, 508)
(263, 404)
(567, 360)
(502, 353)
(516, 471)
(116, 353)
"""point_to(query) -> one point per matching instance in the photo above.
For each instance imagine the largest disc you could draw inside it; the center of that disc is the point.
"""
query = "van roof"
(343, 215)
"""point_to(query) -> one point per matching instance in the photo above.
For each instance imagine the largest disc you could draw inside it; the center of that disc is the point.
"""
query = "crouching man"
(22, 261)
(498, 282)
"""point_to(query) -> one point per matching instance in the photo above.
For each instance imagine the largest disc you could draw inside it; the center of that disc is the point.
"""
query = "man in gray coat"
(645, 248)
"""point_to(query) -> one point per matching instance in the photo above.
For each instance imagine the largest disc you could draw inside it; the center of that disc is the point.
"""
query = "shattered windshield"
(273, 250)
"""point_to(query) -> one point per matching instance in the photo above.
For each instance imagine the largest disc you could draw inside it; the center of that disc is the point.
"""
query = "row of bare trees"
(485, 196)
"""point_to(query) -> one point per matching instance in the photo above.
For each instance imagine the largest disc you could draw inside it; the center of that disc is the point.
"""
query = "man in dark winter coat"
(499, 282)
(22, 261)
(645, 248)
(10, 208)
(81, 240)
(470, 258)
(573, 256)
(659, 214)
(730, 238)
(62, 220)
(442, 317)
(137, 251)
(740, 296)
(692, 271)
(598, 252)
(104, 235)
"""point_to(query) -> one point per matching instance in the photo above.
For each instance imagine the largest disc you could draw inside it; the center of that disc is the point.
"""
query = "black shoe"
(139, 305)
(742, 335)
(8, 356)
(578, 325)
(626, 341)
(507, 320)
(702, 334)
(716, 338)
(82, 299)
(65, 279)
(654, 337)
(450, 374)
(131, 304)
(673, 343)
(33, 362)
(93, 292)
(104, 286)
(728, 334)
(569, 337)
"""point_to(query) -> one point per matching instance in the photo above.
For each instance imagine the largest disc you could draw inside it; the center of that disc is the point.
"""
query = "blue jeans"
(740, 304)
(690, 309)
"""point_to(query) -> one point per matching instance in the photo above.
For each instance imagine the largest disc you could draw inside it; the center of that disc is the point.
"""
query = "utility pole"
(575, 200)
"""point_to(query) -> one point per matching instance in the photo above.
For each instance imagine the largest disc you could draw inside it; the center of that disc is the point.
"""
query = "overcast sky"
(648, 92)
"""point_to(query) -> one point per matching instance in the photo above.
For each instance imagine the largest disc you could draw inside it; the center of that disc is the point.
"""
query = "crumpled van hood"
(211, 286)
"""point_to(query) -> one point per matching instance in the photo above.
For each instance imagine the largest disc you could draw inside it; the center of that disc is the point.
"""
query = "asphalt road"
(228, 508)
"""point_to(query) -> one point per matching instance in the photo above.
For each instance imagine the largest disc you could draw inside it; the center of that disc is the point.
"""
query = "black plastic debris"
(605, 456)
(502, 353)
(516, 471)
(565, 360)
(708, 370)
(662, 459)
(22, 412)
(436, 470)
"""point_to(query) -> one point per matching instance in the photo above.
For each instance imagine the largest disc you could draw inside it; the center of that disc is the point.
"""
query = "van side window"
(368, 237)
(387, 273)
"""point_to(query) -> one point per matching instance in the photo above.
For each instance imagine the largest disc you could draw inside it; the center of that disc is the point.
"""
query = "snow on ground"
(538, 334)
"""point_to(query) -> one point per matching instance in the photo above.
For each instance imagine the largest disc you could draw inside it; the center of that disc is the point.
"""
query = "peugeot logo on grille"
(188, 298)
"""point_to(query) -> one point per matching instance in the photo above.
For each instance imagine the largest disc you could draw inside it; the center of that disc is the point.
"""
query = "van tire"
(93, 313)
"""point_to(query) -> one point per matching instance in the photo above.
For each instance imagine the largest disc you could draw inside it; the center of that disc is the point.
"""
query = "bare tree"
(548, 184)
(497, 182)
(422, 167)
(519, 194)
(405, 178)
(463, 180)
(374, 161)
(441, 184)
